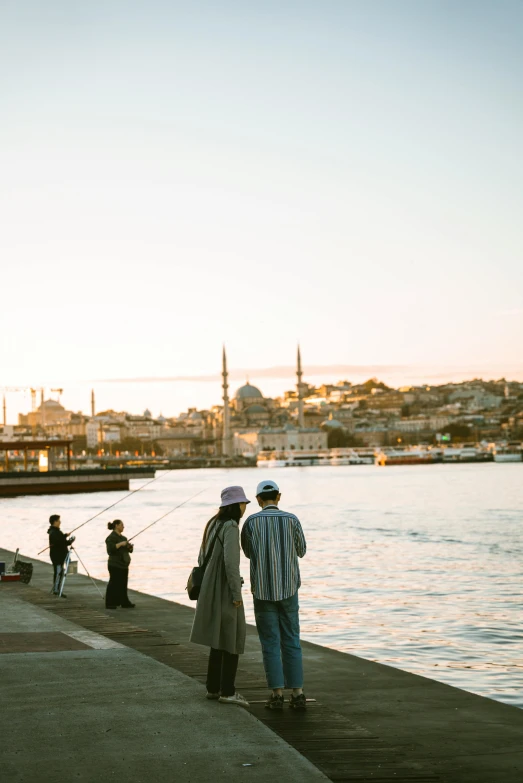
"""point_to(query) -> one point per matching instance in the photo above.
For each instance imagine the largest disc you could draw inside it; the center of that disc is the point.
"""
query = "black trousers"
(57, 569)
(221, 672)
(116, 594)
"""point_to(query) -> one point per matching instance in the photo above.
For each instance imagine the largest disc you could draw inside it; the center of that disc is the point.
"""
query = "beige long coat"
(217, 622)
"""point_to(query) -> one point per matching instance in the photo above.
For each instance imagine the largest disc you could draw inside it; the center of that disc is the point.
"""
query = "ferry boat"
(345, 456)
(510, 453)
(404, 457)
(466, 454)
(287, 459)
(308, 457)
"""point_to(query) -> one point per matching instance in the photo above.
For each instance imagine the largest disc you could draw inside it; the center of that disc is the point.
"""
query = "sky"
(175, 176)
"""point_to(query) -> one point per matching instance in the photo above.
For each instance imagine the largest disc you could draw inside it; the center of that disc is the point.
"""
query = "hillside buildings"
(306, 417)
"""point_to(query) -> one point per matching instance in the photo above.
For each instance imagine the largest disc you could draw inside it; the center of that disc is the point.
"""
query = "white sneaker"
(236, 699)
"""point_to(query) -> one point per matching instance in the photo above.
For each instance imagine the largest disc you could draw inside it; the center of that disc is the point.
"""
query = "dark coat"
(118, 558)
(58, 543)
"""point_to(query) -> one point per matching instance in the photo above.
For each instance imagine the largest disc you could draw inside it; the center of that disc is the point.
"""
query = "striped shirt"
(273, 540)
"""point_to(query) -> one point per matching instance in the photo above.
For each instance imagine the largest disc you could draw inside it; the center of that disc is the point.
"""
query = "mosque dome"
(52, 404)
(147, 414)
(196, 416)
(248, 392)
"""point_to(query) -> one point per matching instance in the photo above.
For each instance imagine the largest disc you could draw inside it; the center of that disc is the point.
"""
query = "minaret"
(93, 407)
(5, 411)
(299, 374)
(226, 436)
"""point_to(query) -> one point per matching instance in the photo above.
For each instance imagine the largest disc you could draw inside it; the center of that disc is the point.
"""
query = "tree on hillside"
(373, 383)
(457, 431)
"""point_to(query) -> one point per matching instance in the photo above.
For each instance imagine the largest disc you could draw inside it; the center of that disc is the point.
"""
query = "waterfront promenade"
(128, 702)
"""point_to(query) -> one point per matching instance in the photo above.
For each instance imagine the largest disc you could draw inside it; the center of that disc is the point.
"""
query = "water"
(418, 567)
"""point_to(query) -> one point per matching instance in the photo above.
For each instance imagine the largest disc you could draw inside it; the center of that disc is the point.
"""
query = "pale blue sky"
(176, 175)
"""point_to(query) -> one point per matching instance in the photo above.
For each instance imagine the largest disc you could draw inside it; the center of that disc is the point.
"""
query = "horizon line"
(289, 371)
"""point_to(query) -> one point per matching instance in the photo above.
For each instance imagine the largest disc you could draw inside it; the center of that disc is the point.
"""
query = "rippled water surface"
(418, 567)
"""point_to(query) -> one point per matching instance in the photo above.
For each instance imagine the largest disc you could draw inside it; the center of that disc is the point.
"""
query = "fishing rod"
(113, 505)
(87, 572)
(130, 539)
(167, 514)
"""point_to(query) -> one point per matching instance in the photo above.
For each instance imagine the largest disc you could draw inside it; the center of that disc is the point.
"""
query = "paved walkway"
(370, 722)
(89, 709)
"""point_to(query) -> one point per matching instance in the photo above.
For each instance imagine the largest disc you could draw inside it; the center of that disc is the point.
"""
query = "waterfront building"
(246, 443)
(181, 442)
(291, 438)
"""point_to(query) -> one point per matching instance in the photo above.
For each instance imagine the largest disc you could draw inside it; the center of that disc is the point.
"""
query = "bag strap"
(211, 548)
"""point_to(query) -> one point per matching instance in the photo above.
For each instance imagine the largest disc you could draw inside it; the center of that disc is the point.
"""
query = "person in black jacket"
(119, 550)
(58, 545)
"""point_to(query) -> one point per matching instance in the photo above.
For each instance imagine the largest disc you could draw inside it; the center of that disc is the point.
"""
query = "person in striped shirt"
(273, 540)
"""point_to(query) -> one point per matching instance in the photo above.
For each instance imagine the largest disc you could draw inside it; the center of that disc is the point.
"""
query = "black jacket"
(118, 558)
(58, 543)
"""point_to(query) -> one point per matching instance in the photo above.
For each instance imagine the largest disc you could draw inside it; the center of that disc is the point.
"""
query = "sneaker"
(236, 699)
(274, 702)
(128, 606)
(298, 702)
(212, 695)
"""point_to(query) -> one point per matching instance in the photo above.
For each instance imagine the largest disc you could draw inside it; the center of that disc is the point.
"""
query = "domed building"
(332, 424)
(249, 413)
(257, 415)
(51, 412)
(246, 396)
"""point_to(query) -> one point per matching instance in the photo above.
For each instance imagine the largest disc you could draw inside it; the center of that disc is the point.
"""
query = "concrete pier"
(59, 482)
(370, 722)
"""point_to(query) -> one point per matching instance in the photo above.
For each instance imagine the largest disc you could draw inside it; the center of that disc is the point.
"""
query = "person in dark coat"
(58, 546)
(119, 550)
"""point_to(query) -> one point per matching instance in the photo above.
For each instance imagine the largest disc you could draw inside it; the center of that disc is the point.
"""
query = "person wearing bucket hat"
(219, 621)
(273, 540)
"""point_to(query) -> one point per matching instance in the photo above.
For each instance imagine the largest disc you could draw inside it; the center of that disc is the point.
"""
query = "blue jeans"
(278, 625)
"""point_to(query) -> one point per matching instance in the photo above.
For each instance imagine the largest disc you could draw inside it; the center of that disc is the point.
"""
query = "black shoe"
(111, 607)
(274, 703)
(298, 702)
(63, 595)
(128, 606)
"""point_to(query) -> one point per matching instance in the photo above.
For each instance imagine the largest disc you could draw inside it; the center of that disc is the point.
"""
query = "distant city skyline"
(345, 174)
(171, 396)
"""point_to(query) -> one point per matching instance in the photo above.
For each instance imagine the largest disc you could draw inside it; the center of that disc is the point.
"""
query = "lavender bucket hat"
(232, 495)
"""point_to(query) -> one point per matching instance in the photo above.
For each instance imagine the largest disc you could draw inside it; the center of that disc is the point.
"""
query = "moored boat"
(510, 453)
(404, 457)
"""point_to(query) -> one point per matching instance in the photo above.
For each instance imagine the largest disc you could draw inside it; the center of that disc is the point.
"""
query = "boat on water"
(510, 453)
(387, 457)
(466, 454)
(308, 457)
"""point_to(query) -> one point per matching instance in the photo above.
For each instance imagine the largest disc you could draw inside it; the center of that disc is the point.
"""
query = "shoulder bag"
(195, 580)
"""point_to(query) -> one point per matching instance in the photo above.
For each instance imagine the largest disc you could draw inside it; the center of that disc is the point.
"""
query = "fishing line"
(167, 514)
(114, 504)
(87, 572)
(137, 534)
